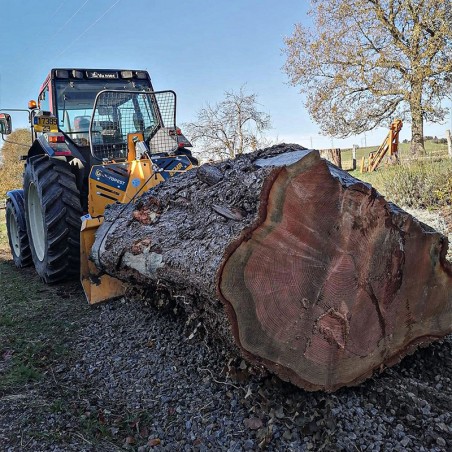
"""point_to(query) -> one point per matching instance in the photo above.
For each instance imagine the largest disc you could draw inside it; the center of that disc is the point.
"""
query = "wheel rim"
(36, 221)
(14, 234)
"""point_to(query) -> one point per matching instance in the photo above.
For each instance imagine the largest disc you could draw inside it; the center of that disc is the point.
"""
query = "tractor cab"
(93, 112)
(70, 94)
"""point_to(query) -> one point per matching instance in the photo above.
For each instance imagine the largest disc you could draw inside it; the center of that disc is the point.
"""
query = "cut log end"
(334, 282)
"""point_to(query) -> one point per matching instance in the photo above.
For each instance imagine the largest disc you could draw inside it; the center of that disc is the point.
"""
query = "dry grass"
(29, 338)
(424, 184)
(12, 168)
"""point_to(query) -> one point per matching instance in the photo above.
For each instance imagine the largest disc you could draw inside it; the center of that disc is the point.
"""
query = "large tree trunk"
(417, 122)
(308, 271)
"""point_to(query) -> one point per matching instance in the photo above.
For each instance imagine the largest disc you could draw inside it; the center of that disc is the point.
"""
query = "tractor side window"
(43, 99)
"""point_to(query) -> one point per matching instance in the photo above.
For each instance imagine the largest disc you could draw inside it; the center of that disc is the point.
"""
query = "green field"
(421, 183)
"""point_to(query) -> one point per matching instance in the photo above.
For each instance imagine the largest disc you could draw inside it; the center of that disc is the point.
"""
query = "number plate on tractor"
(45, 124)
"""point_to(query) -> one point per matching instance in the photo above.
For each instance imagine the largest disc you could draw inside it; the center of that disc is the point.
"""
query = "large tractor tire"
(52, 212)
(17, 230)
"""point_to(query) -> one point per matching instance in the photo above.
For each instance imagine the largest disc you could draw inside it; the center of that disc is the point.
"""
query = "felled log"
(305, 269)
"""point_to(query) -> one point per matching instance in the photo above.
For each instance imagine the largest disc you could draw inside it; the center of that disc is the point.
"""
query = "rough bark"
(417, 122)
(306, 270)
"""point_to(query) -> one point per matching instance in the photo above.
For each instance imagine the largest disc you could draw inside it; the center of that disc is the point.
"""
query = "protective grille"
(118, 113)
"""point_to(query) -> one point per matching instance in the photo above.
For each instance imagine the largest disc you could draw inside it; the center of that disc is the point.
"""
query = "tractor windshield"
(75, 100)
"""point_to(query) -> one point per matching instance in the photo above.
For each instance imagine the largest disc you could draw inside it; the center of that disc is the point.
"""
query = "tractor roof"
(96, 74)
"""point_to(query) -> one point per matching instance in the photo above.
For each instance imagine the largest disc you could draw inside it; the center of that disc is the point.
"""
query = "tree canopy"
(229, 128)
(366, 62)
(11, 168)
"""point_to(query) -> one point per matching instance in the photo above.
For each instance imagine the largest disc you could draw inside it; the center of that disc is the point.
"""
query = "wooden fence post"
(449, 143)
(354, 157)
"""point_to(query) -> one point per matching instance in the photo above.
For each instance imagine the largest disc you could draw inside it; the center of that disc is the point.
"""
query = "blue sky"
(198, 48)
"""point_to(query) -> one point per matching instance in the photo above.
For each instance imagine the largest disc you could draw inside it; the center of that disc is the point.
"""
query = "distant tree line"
(435, 139)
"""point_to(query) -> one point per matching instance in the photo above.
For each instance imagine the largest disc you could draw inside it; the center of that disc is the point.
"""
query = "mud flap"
(97, 285)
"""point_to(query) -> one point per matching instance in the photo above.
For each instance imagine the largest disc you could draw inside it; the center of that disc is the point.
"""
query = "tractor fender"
(18, 200)
(41, 147)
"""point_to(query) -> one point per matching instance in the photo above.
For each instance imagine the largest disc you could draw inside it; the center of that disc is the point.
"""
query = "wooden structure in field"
(389, 147)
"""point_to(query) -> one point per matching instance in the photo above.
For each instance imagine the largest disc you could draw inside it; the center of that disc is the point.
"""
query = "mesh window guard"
(118, 113)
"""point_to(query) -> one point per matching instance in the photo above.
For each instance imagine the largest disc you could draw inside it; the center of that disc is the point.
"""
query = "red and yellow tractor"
(98, 137)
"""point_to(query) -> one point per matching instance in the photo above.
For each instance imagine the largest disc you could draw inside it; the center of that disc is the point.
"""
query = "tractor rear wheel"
(17, 235)
(52, 212)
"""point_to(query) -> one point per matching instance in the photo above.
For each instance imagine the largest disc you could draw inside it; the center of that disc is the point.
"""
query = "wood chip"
(232, 213)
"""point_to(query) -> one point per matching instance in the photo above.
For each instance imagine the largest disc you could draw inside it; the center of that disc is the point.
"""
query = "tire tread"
(62, 211)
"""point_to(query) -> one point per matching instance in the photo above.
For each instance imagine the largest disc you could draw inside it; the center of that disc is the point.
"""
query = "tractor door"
(44, 99)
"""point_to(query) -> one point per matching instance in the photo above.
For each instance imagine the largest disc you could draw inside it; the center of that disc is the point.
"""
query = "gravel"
(132, 358)
(177, 391)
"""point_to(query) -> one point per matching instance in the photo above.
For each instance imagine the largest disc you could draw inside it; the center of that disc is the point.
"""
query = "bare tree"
(368, 61)
(229, 128)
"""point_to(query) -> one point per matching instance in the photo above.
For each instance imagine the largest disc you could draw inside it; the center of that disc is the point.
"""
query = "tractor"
(98, 137)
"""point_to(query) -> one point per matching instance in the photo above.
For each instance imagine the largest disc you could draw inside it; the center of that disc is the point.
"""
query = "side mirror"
(6, 125)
